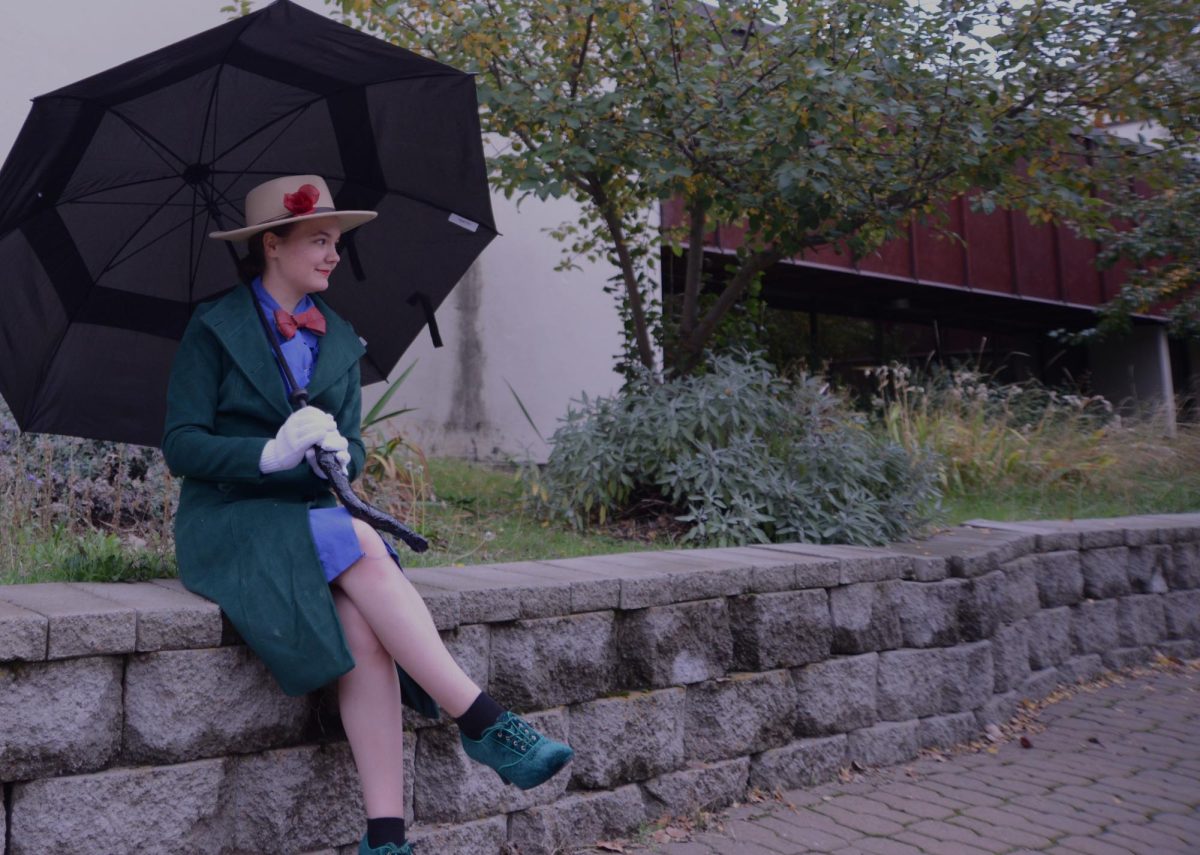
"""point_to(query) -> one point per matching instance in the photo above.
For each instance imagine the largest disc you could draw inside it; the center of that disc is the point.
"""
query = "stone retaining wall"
(132, 720)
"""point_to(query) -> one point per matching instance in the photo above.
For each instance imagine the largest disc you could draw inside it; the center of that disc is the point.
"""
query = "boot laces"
(516, 733)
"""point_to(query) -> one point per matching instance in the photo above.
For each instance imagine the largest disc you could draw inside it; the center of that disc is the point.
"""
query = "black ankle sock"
(385, 829)
(482, 713)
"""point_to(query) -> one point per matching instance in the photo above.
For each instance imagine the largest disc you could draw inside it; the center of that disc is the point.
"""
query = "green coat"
(242, 538)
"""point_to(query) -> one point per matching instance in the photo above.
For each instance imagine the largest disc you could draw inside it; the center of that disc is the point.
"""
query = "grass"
(63, 555)
(475, 518)
(1148, 475)
(70, 511)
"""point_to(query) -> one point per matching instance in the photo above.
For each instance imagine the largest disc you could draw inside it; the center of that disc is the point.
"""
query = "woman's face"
(302, 261)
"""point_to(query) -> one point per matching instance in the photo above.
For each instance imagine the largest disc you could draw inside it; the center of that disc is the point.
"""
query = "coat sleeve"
(191, 447)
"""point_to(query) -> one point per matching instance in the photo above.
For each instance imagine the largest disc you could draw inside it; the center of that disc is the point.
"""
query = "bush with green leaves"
(739, 454)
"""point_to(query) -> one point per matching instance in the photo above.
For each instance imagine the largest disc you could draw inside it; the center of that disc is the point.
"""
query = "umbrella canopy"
(114, 182)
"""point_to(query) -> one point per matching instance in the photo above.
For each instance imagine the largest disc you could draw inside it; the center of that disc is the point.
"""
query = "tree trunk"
(694, 345)
(633, 291)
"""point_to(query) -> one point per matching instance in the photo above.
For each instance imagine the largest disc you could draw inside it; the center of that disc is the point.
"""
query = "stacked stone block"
(135, 720)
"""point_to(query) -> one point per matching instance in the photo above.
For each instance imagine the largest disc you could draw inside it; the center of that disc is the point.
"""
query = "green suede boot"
(385, 849)
(518, 753)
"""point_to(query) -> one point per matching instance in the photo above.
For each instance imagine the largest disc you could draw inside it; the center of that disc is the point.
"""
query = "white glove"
(303, 429)
(332, 441)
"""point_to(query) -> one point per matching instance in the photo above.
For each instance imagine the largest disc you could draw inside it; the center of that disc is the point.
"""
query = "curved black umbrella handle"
(328, 461)
(369, 514)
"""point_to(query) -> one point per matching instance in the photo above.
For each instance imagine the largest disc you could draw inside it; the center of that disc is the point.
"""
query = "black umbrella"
(115, 181)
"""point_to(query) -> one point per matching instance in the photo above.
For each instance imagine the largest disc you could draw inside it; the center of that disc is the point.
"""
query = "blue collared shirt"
(301, 350)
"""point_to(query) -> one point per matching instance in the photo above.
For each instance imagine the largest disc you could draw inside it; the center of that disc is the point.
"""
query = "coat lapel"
(236, 325)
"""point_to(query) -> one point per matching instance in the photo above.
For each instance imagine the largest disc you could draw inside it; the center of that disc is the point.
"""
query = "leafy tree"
(1162, 240)
(808, 122)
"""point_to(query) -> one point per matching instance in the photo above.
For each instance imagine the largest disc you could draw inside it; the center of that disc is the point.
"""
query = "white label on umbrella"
(469, 225)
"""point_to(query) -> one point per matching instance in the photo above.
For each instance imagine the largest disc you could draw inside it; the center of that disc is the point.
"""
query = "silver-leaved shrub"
(741, 455)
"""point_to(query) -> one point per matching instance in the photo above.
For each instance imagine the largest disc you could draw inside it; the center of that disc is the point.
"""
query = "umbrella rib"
(157, 209)
(192, 244)
(247, 171)
(127, 204)
(302, 107)
(82, 196)
(151, 140)
(195, 271)
(117, 262)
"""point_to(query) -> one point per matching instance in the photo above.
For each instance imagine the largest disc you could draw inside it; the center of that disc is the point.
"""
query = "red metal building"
(998, 291)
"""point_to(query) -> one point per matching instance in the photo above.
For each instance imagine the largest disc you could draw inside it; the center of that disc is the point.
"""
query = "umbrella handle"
(369, 514)
(328, 461)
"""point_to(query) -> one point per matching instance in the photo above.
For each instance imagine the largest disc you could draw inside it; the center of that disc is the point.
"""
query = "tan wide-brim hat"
(291, 199)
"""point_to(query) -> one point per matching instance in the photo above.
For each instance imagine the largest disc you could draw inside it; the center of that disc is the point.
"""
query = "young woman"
(316, 594)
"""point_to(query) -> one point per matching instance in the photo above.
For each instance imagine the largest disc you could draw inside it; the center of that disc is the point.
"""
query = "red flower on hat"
(303, 201)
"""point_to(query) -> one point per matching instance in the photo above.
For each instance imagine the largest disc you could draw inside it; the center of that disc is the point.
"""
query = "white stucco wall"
(512, 320)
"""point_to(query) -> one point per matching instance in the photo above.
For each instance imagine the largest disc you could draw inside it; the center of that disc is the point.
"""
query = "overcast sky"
(47, 45)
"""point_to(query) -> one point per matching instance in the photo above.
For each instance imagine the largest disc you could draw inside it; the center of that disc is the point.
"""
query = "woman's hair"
(254, 262)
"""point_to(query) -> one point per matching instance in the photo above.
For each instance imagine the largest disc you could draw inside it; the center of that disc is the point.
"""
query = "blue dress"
(332, 528)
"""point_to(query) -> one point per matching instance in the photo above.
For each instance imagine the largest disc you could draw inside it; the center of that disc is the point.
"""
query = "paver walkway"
(1110, 770)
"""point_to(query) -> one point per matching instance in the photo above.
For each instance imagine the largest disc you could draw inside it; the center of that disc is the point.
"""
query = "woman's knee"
(360, 637)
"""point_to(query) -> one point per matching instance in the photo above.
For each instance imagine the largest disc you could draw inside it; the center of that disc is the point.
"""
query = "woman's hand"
(332, 441)
(302, 430)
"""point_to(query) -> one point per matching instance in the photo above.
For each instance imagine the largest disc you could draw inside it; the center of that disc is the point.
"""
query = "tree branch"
(693, 277)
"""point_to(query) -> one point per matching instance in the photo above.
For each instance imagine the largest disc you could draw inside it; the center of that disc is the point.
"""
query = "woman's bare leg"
(400, 619)
(369, 701)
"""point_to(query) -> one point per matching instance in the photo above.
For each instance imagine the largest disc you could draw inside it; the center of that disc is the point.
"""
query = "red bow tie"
(310, 319)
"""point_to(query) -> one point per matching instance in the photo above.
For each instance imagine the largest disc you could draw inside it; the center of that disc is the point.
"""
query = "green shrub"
(739, 454)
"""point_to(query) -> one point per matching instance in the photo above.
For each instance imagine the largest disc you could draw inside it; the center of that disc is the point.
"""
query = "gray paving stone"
(626, 738)
(1183, 570)
(805, 762)
(929, 612)
(1105, 572)
(591, 588)
(577, 819)
(160, 809)
(780, 630)
(1060, 580)
(701, 786)
(171, 717)
(742, 714)
(79, 623)
(866, 617)
(166, 619)
(776, 568)
(1149, 567)
(675, 645)
(23, 634)
(59, 717)
(856, 563)
(837, 695)
(499, 592)
(883, 744)
(1094, 627)
(1049, 638)
(541, 663)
